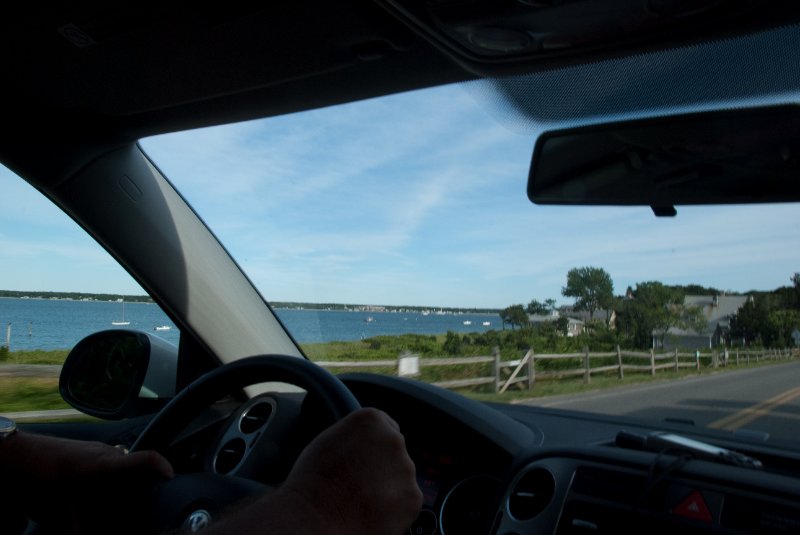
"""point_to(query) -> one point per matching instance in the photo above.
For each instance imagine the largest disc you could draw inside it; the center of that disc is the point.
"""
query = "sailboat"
(122, 321)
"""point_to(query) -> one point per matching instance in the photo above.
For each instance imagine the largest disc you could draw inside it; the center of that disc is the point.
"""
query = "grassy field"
(20, 394)
(34, 357)
(29, 393)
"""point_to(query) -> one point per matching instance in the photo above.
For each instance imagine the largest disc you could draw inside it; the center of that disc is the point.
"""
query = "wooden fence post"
(8, 336)
(697, 359)
(587, 374)
(737, 356)
(524, 362)
(619, 362)
(496, 355)
(531, 371)
(676, 360)
(652, 362)
(714, 359)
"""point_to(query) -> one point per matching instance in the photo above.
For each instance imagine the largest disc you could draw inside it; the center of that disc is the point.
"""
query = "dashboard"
(514, 470)
(509, 469)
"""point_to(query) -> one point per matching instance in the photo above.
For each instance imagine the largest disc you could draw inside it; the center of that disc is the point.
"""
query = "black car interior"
(83, 79)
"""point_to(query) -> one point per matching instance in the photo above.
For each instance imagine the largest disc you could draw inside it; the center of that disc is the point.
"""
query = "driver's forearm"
(20, 458)
(22, 462)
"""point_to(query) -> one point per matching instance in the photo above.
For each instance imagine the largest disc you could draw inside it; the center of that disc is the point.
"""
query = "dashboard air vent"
(255, 417)
(531, 494)
(229, 456)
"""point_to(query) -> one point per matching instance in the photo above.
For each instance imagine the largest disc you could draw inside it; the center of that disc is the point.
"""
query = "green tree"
(751, 322)
(653, 310)
(562, 325)
(514, 315)
(541, 308)
(659, 302)
(591, 287)
(781, 323)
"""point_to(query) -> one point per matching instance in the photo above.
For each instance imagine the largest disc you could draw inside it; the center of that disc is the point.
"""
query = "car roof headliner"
(82, 78)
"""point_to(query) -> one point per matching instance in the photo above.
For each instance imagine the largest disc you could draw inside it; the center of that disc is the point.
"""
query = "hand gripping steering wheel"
(175, 501)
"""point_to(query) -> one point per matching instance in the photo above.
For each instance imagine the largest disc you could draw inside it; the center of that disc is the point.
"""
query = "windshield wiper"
(662, 442)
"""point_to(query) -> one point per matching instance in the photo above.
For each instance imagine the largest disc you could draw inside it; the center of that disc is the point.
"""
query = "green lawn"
(34, 357)
(30, 394)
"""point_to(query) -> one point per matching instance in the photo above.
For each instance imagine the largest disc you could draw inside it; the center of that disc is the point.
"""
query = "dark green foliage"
(696, 289)
(653, 309)
(763, 321)
(591, 287)
(535, 307)
(514, 315)
(452, 344)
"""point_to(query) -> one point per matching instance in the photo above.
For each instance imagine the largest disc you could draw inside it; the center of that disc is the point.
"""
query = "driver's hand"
(355, 478)
(77, 486)
(360, 476)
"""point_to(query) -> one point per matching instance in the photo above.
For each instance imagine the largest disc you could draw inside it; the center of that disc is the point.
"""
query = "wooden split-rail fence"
(524, 372)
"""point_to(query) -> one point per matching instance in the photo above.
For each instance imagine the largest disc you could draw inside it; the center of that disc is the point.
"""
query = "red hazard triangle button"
(694, 507)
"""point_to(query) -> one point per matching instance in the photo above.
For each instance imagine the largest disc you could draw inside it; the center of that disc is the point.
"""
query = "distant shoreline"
(72, 296)
(283, 305)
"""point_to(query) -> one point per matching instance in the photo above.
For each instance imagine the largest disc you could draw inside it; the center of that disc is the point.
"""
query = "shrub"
(452, 344)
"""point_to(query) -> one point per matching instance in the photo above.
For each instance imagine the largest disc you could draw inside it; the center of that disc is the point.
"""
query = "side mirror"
(119, 374)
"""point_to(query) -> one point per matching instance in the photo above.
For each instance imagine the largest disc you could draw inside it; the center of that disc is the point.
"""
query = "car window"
(57, 285)
(394, 235)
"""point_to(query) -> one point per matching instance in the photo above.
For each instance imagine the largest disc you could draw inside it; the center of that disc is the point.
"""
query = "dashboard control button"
(694, 507)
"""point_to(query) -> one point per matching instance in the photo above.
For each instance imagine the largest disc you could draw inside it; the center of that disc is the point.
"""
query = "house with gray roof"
(608, 316)
(718, 311)
(574, 326)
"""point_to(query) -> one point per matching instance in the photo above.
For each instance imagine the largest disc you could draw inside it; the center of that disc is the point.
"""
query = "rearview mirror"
(119, 374)
(721, 157)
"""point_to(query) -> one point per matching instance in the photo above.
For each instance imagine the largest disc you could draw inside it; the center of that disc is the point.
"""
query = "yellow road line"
(747, 415)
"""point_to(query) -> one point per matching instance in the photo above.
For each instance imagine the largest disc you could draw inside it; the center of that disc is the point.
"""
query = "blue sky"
(414, 199)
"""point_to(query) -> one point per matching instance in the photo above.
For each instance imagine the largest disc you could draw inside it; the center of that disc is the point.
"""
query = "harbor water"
(59, 323)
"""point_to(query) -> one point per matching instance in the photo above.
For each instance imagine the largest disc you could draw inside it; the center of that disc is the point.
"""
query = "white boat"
(466, 322)
(486, 323)
(163, 328)
(121, 322)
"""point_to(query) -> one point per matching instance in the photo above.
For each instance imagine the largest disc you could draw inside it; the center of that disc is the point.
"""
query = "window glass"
(57, 285)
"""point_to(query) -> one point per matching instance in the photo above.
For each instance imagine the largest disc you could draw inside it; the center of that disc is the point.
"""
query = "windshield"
(394, 235)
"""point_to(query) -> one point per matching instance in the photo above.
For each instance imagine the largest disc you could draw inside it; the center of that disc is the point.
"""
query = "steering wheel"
(177, 502)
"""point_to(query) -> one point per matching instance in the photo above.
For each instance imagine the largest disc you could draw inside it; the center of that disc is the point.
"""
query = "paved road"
(761, 399)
